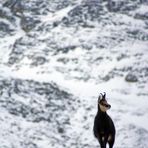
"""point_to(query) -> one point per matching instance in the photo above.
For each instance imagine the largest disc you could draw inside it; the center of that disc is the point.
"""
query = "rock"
(87, 11)
(60, 130)
(138, 34)
(6, 14)
(16, 6)
(13, 60)
(29, 23)
(121, 56)
(66, 49)
(131, 78)
(106, 78)
(121, 5)
(38, 61)
(141, 16)
(37, 102)
(5, 29)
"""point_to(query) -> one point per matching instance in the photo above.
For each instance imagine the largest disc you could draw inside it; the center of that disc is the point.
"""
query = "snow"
(57, 15)
(84, 72)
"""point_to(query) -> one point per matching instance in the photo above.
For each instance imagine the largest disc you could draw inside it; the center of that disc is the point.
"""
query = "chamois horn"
(104, 95)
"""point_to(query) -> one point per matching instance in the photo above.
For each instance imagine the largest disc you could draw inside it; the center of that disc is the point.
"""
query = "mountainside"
(57, 56)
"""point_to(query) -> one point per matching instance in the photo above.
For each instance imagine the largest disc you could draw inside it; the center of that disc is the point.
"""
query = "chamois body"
(104, 129)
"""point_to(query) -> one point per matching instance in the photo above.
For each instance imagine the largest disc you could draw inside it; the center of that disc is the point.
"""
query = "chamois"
(104, 129)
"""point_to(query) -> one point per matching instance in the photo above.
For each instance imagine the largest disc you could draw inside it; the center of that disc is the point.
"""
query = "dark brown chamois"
(104, 129)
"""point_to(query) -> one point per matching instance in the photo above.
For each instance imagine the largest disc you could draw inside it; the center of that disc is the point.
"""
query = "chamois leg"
(103, 144)
(111, 143)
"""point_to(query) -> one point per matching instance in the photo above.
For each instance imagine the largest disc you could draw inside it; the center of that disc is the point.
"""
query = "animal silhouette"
(104, 129)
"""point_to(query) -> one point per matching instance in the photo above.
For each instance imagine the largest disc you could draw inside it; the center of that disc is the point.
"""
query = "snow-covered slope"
(55, 58)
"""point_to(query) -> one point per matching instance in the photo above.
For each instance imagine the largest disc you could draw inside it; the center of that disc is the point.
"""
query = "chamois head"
(102, 102)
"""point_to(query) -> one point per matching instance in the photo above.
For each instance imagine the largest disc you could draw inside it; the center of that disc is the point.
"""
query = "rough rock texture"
(56, 56)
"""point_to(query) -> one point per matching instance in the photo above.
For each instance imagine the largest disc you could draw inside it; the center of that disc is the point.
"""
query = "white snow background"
(56, 56)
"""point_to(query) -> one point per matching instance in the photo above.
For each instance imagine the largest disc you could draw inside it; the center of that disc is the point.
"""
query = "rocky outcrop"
(122, 6)
(87, 11)
(43, 101)
(131, 78)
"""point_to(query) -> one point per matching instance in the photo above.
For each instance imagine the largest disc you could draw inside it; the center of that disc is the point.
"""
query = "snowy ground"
(56, 57)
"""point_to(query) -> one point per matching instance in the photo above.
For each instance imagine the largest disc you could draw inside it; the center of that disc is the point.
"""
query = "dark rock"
(121, 56)
(87, 46)
(55, 24)
(141, 16)
(29, 23)
(30, 145)
(145, 71)
(106, 78)
(138, 34)
(15, 6)
(63, 60)
(38, 61)
(6, 14)
(18, 109)
(131, 78)
(41, 101)
(60, 130)
(121, 5)
(99, 59)
(144, 1)
(65, 49)
(19, 47)
(5, 29)
(62, 4)
(13, 60)
(81, 13)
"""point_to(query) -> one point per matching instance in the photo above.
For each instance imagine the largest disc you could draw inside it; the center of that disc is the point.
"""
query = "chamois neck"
(100, 111)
